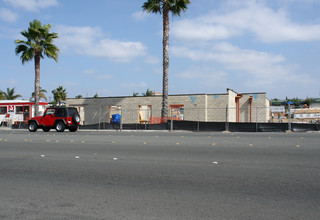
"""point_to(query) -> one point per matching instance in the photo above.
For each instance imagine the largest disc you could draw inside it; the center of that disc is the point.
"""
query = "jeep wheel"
(46, 129)
(60, 126)
(32, 127)
(75, 119)
(73, 129)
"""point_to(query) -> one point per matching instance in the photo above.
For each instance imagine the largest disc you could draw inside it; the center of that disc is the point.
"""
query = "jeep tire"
(60, 126)
(32, 126)
(73, 128)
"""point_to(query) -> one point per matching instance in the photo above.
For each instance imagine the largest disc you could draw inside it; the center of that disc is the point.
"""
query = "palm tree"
(59, 95)
(1, 95)
(149, 92)
(39, 43)
(10, 94)
(164, 7)
(41, 94)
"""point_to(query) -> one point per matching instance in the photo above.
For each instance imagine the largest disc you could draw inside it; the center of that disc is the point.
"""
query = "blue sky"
(114, 49)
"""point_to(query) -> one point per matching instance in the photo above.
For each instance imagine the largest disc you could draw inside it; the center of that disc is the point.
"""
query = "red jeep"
(59, 118)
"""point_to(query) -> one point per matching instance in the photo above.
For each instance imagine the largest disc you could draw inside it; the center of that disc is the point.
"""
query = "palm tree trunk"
(164, 110)
(36, 83)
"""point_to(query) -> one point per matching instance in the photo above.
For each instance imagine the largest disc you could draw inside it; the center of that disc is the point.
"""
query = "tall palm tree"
(39, 43)
(41, 94)
(164, 7)
(10, 94)
(59, 94)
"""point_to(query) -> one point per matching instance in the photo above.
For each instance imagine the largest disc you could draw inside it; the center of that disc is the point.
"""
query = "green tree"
(41, 94)
(59, 95)
(1, 95)
(96, 95)
(78, 96)
(149, 92)
(39, 43)
(164, 7)
(135, 94)
(10, 94)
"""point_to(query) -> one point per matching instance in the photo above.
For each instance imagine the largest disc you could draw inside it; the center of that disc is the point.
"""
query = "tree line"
(59, 95)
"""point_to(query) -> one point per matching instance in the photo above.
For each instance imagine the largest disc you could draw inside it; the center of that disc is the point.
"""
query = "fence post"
(256, 118)
(99, 119)
(198, 128)
(171, 125)
(227, 118)
(121, 119)
(289, 118)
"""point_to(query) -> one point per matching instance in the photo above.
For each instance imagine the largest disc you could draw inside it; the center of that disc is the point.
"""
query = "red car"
(59, 118)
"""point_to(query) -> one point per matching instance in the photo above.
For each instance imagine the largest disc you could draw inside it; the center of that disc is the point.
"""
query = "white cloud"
(140, 15)
(267, 24)
(7, 15)
(134, 85)
(31, 5)
(89, 71)
(90, 41)
(259, 67)
(152, 60)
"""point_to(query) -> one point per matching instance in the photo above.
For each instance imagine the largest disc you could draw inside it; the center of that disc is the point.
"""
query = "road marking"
(25, 139)
(182, 136)
(178, 143)
(48, 140)
(57, 141)
(76, 157)
(144, 142)
(215, 162)
(115, 158)
(30, 140)
(113, 142)
(42, 155)
(269, 137)
(209, 136)
(82, 141)
(251, 145)
(297, 146)
(301, 138)
(0, 139)
(71, 141)
(213, 144)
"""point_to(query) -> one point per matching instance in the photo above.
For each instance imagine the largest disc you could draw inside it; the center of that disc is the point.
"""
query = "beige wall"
(202, 107)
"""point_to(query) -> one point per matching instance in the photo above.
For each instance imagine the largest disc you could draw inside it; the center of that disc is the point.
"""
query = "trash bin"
(116, 118)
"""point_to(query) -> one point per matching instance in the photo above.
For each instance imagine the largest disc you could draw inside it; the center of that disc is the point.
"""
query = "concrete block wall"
(202, 107)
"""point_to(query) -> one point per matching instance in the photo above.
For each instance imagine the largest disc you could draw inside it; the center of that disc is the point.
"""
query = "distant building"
(12, 111)
(230, 106)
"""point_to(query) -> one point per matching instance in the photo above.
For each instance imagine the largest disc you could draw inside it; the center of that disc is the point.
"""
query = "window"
(19, 109)
(61, 112)
(50, 112)
(3, 110)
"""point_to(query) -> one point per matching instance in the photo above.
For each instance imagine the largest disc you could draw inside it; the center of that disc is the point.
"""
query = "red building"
(18, 110)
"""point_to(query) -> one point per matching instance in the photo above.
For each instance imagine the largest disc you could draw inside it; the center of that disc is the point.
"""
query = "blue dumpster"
(116, 118)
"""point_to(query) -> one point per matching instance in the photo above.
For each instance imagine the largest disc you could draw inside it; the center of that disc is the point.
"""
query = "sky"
(113, 48)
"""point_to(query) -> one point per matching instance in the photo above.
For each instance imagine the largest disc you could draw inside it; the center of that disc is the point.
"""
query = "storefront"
(12, 111)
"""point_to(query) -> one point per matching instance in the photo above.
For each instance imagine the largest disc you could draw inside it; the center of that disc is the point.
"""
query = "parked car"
(58, 118)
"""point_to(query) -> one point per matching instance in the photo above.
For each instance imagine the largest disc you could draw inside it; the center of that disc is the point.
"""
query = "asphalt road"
(159, 175)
